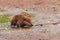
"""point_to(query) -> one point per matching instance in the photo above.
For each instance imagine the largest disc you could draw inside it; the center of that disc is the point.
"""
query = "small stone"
(54, 23)
(39, 39)
(5, 38)
(41, 24)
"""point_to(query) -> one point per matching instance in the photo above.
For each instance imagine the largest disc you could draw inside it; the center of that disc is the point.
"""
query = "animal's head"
(27, 21)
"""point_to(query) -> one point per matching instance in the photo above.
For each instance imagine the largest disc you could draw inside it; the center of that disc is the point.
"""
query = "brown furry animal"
(21, 21)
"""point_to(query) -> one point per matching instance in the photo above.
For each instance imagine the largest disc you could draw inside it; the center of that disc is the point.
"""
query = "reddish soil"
(49, 9)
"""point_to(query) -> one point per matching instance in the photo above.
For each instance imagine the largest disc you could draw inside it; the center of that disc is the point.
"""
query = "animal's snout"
(31, 25)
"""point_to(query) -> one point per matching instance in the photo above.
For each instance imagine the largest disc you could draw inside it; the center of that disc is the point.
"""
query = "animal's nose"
(31, 25)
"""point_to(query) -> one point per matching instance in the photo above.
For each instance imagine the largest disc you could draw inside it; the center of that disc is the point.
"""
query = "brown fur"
(21, 20)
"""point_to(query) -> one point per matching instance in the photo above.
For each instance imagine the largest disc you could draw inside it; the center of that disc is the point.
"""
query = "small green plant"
(4, 18)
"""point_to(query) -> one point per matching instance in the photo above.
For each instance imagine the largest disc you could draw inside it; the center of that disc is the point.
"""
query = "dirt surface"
(49, 30)
(45, 32)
